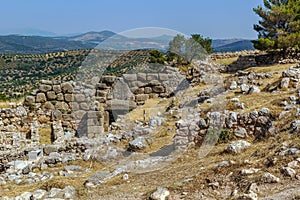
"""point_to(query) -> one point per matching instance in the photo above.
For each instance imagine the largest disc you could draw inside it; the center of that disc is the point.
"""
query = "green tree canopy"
(279, 27)
(189, 49)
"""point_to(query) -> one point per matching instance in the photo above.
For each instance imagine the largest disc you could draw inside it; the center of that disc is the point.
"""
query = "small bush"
(225, 136)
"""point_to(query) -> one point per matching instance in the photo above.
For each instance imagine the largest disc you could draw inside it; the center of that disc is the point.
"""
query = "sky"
(217, 19)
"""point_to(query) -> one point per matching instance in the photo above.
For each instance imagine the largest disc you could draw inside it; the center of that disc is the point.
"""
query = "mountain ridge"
(28, 44)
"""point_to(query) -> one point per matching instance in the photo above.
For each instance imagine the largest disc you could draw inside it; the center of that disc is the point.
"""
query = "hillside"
(232, 45)
(168, 137)
(19, 74)
(18, 44)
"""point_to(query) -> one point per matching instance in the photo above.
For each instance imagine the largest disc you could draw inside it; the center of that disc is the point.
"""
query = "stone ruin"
(89, 109)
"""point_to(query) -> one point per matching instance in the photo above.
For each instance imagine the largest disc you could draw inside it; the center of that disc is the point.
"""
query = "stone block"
(130, 77)
(45, 88)
(51, 95)
(41, 98)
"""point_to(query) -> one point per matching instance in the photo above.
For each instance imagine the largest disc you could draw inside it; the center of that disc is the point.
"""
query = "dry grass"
(7, 104)
(226, 61)
(45, 135)
(11, 190)
(187, 165)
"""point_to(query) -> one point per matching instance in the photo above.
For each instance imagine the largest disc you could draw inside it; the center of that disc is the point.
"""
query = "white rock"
(245, 88)
(254, 89)
(125, 177)
(234, 99)
(160, 194)
(237, 146)
(288, 171)
(233, 85)
(39, 194)
(25, 196)
(249, 171)
(284, 84)
(240, 105)
(293, 164)
(269, 178)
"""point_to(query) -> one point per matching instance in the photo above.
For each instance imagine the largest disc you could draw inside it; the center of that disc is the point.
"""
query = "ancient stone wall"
(87, 108)
(246, 61)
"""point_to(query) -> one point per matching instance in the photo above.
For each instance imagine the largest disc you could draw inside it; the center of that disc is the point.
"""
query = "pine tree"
(279, 27)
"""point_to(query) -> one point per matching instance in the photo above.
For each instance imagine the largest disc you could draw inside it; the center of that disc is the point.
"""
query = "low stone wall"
(218, 56)
(244, 62)
(195, 130)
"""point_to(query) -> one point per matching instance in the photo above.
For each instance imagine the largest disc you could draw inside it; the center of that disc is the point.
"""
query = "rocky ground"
(229, 136)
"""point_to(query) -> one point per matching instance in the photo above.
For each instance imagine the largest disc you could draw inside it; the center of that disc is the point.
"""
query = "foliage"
(157, 56)
(187, 49)
(225, 136)
(279, 27)
(206, 43)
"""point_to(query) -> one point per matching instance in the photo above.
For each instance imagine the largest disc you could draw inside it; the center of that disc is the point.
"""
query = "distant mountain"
(29, 32)
(92, 37)
(232, 45)
(16, 44)
(19, 44)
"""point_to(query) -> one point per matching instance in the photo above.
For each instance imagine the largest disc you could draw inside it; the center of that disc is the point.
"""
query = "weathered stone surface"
(240, 132)
(60, 97)
(254, 89)
(46, 82)
(79, 97)
(269, 178)
(141, 97)
(287, 171)
(237, 146)
(249, 171)
(84, 106)
(97, 179)
(57, 132)
(57, 89)
(45, 88)
(51, 95)
(139, 143)
(40, 98)
(163, 77)
(233, 85)
(67, 87)
(108, 79)
(56, 115)
(245, 88)
(20, 112)
(63, 106)
(284, 84)
(158, 89)
(50, 149)
(148, 90)
(152, 76)
(68, 97)
(29, 100)
(130, 77)
(48, 105)
(142, 77)
(160, 194)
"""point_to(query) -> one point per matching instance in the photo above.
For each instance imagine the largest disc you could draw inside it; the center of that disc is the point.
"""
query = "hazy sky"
(211, 18)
